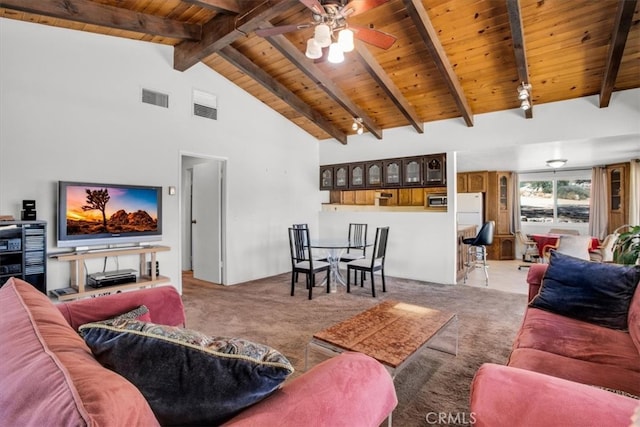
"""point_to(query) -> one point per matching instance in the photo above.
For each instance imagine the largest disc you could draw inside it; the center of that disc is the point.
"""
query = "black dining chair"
(302, 260)
(357, 243)
(477, 249)
(373, 264)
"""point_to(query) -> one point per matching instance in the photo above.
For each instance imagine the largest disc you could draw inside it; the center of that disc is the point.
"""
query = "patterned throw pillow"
(141, 313)
(187, 377)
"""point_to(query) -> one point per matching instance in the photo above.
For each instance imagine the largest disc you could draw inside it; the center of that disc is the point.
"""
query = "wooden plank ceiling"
(451, 58)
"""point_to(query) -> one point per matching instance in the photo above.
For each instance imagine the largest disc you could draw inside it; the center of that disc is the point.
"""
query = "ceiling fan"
(330, 17)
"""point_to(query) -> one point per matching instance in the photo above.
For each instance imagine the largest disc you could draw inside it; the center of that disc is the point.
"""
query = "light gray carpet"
(264, 311)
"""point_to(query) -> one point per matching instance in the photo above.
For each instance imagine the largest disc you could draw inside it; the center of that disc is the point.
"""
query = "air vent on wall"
(205, 105)
(155, 98)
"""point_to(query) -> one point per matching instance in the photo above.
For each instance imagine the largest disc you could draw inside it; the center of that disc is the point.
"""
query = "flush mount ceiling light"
(556, 163)
(524, 93)
(357, 125)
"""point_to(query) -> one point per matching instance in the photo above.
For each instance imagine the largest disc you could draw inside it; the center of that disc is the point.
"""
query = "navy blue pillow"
(598, 293)
(187, 377)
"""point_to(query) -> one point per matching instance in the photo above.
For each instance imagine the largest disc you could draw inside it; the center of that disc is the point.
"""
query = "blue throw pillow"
(187, 377)
(598, 293)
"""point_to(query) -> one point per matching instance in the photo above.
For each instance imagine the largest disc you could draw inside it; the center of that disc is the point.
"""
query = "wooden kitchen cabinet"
(472, 182)
(356, 176)
(411, 197)
(435, 170)
(341, 177)
(373, 174)
(412, 171)
(365, 197)
(326, 177)
(392, 173)
(618, 199)
(499, 204)
(462, 182)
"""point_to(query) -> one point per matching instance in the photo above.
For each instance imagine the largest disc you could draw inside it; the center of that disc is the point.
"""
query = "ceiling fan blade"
(315, 6)
(356, 7)
(373, 37)
(274, 31)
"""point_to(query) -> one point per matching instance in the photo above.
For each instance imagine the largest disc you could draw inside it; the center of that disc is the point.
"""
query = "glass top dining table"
(334, 248)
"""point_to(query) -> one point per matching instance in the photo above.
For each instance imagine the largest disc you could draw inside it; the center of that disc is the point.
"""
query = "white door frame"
(223, 209)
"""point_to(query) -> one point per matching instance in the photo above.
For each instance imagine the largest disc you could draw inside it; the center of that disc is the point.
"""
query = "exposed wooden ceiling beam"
(93, 13)
(624, 16)
(517, 35)
(386, 84)
(421, 20)
(252, 70)
(220, 6)
(223, 30)
(307, 66)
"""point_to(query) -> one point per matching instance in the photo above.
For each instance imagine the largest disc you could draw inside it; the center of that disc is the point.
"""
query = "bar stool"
(477, 250)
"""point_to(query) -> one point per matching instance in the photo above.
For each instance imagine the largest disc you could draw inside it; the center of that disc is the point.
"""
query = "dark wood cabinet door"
(326, 177)
(341, 177)
(392, 173)
(356, 176)
(435, 171)
(412, 171)
(373, 174)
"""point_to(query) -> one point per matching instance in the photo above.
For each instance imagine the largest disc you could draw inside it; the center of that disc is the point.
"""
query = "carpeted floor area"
(434, 382)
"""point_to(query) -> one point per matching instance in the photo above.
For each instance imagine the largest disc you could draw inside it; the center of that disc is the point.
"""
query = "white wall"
(70, 110)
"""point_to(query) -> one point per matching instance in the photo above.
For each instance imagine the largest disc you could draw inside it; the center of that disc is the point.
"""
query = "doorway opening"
(203, 217)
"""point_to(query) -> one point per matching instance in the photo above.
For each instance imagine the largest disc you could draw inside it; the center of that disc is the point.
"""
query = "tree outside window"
(555, 200)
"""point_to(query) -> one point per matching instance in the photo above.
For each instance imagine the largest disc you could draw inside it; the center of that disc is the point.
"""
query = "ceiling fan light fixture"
(345, 40)
(313, 50)
(336, 55)
(556, 163)
(322, 35)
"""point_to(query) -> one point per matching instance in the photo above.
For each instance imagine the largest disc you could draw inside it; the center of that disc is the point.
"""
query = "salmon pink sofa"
(563, 370)
(49, 376)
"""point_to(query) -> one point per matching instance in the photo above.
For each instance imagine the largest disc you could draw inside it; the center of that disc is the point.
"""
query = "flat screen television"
(94, 214)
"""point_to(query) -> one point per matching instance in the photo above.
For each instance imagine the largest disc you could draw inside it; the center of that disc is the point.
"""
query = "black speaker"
(28, 210)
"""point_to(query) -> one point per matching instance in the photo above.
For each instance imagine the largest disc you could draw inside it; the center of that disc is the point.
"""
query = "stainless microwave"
(437, 200)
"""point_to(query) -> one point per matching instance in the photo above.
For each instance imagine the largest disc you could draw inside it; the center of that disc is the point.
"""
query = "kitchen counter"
(465, 231)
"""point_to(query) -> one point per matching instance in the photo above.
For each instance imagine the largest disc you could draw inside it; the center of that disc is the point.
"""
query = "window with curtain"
(560, 197)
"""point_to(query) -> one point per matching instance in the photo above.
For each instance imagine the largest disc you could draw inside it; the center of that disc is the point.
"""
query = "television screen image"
(92, 214)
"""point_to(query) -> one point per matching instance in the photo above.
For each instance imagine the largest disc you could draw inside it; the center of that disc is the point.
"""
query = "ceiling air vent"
(205, 105)
(155, 98)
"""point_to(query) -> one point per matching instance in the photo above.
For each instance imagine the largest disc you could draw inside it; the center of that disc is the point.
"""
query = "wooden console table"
(79, 274)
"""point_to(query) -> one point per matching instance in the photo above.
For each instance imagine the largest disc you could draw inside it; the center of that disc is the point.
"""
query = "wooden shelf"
(78, 273)
(142, 282)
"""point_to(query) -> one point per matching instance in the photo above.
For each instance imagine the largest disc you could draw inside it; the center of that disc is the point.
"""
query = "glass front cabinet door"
(341, 173)
(373, 174)
(326, 177)
(356, 176)
(412, 168)
(392, 173)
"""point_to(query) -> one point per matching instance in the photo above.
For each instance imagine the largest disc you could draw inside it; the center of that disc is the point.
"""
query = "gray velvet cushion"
(187, 377)
(598, 293)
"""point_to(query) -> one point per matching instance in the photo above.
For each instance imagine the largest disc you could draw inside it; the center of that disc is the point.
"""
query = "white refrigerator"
(470, 209)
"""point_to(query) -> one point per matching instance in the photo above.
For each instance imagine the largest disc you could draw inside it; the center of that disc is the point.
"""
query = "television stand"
(79, 275)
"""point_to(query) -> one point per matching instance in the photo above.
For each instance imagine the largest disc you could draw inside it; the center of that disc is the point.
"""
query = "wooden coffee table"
(391, 332)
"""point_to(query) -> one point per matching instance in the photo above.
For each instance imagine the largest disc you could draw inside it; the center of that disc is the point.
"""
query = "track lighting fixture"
(524, 94)
(357, 125)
